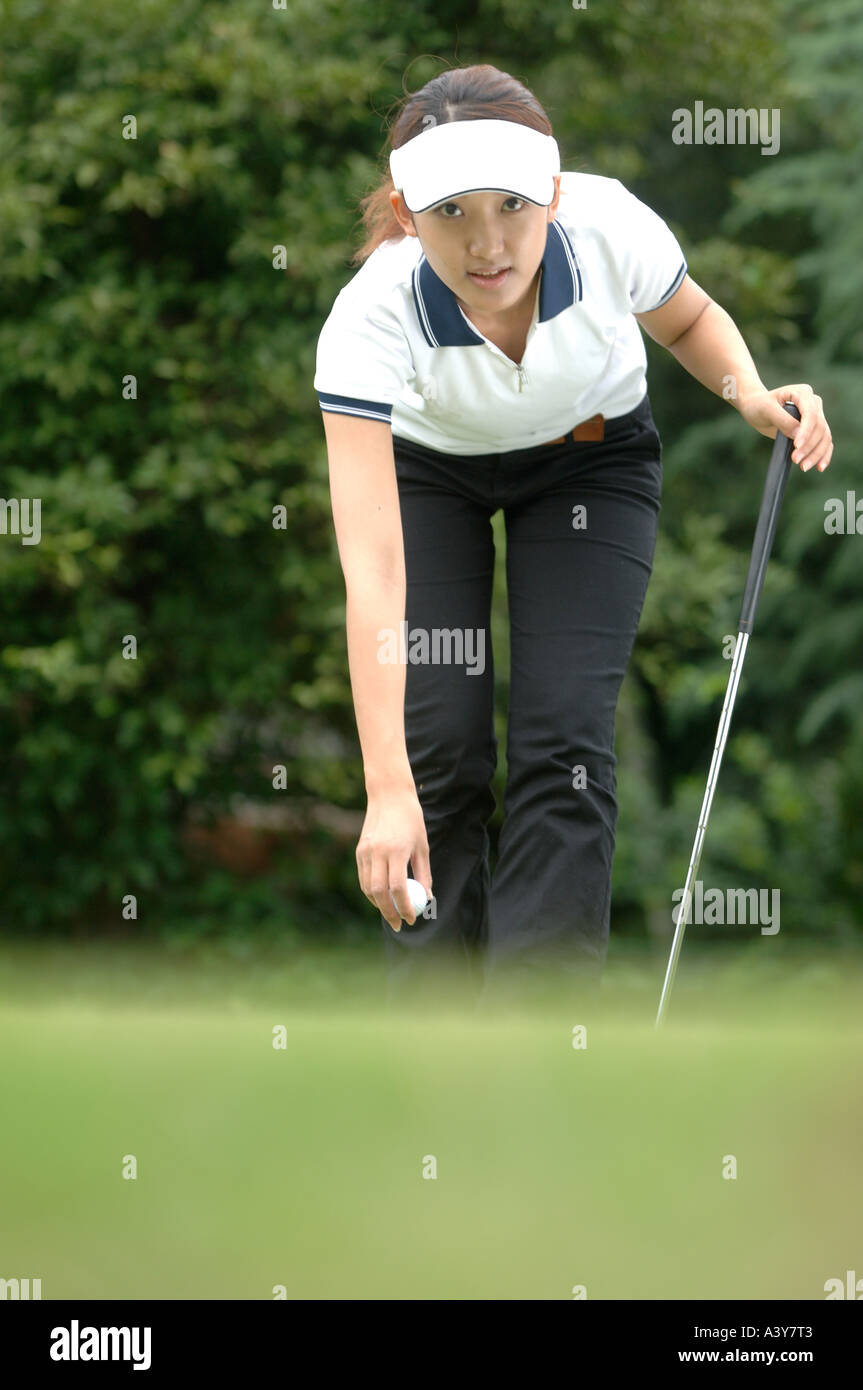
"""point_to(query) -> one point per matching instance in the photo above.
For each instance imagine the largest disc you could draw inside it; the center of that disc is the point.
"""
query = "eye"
(442, 208)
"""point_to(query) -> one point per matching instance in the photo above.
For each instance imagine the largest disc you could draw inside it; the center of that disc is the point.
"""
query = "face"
(483, 232)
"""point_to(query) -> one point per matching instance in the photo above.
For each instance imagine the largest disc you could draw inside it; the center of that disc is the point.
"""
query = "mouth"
(490, 280)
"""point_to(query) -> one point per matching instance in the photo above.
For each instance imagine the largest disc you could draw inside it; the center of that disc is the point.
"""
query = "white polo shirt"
(398, 347)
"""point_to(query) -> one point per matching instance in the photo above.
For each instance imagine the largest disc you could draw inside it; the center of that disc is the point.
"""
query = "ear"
(403, 214)
(552, 207)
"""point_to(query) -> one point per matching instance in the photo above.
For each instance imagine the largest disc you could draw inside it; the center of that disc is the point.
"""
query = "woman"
(488, 354)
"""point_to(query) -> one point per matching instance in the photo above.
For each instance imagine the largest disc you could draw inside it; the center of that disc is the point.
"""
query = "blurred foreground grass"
(556, 1166)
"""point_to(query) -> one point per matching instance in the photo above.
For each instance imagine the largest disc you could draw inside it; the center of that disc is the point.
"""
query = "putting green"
(556, 1166)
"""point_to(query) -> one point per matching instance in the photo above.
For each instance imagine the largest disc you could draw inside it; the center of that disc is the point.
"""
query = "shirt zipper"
(521, 373)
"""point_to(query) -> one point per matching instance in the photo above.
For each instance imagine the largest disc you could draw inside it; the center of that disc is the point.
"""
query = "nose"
(486, 239)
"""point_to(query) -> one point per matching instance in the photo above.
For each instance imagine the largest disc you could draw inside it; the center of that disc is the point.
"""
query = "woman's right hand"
(393, 832)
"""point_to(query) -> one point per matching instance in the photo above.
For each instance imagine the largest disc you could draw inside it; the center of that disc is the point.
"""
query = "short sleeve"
(363, 361)
(652, 263)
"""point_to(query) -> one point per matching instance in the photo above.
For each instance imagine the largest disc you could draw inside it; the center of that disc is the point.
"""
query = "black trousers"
(581, 524)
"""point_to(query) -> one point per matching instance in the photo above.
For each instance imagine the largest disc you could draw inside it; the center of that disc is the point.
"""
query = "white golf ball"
(417, 895)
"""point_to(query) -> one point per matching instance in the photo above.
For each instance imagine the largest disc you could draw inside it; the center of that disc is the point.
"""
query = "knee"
(456, 760)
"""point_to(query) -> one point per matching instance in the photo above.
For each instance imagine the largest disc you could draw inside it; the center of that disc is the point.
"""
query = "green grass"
(303, 1167)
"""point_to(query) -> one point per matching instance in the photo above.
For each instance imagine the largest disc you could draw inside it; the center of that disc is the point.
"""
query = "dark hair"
(477, 93)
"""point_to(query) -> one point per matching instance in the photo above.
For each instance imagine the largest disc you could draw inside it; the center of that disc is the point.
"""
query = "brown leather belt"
(594, 429)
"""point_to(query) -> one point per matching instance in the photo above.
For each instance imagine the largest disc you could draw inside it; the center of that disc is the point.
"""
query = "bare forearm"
(713, 351)
(378, 686)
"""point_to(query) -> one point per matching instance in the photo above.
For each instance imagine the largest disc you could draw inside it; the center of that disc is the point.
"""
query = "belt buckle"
(592, 430)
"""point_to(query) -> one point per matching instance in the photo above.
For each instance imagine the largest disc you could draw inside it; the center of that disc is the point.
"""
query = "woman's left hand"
(813, 442)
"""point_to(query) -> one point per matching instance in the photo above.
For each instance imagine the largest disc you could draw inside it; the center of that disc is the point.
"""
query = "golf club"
(771, 501)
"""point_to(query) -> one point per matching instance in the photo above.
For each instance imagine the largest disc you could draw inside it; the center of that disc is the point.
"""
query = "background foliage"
(153, 258)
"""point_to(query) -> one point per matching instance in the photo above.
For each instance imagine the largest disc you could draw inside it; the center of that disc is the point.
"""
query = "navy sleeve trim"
(672, 288)
(350, 405)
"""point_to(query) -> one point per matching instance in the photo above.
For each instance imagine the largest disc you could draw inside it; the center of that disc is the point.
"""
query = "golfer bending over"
(487, 355)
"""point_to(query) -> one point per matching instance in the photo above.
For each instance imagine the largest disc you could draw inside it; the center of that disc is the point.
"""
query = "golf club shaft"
(712, 776)
(771, 501)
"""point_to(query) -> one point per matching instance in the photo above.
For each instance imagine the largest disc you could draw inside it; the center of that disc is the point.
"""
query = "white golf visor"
(460, 157)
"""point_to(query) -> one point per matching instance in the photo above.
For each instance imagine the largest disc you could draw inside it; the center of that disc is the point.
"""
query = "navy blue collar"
(442, 321)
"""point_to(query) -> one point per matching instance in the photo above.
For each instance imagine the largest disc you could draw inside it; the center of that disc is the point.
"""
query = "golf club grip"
(771, 501)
